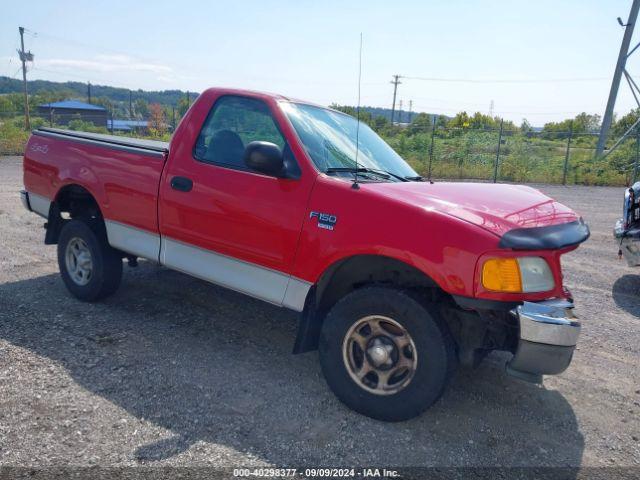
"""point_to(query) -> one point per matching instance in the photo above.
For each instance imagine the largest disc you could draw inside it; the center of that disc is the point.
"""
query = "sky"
(541, 60)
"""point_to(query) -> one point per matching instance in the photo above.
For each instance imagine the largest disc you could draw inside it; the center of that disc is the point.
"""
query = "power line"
(457, 110)
(466, 104)
(179, 67)
(97, 81)
(501, 80)
(91, 46)
(16, 72)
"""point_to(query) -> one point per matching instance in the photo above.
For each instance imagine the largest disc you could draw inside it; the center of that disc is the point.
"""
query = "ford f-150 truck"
(397, 279)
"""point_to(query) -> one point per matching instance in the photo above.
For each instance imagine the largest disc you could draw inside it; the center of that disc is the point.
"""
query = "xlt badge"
(325, 220)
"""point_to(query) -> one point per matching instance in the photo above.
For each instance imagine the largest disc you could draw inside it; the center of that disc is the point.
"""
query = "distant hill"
(400, 116)
(120, 96)
(79, 90)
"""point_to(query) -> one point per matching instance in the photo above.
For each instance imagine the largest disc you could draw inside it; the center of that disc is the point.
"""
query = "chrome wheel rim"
(78, 261)
(379, 355)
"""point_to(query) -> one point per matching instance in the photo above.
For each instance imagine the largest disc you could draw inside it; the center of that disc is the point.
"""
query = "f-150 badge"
(325, 220)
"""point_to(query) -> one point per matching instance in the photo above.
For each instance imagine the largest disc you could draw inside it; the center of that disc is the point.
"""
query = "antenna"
(355, 178)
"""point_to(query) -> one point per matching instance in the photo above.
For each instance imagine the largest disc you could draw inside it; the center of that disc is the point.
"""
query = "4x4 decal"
(325, 220)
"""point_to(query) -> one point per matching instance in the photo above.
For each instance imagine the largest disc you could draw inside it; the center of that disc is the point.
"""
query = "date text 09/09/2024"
(316, 472)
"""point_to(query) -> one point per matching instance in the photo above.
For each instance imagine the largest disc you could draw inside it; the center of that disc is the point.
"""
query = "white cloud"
(105, 63)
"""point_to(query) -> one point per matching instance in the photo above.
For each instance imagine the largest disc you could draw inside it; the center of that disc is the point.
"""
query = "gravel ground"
(175, 371)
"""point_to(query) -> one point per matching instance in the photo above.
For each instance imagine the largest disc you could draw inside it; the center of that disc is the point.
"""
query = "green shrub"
(12, 138)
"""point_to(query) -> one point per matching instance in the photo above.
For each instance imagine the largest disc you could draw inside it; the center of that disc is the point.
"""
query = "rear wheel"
(386, 354)
(91, 269)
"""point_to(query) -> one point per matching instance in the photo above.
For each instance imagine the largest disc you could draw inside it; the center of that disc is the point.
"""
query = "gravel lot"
(175, 371)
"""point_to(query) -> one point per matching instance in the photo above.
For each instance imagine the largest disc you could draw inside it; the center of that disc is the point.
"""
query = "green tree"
(6, 107)
(525, 126)
(103, 102)
(625, 122)
(461, 120)
(141, 108)
(421, 123)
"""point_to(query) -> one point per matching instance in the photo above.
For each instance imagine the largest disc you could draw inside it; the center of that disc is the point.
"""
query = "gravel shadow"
(210, 365)
(626, 293)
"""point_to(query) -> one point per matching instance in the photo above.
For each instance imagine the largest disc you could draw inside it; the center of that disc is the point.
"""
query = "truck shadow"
(210, 365)
(626, 293)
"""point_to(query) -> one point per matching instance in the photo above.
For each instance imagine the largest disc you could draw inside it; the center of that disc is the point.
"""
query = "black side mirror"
(265, 157)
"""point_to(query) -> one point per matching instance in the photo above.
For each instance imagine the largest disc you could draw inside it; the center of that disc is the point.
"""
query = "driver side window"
(232, 124)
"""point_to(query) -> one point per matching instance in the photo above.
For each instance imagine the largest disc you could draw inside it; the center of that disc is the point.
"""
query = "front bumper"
(628, 243)
(548, 336)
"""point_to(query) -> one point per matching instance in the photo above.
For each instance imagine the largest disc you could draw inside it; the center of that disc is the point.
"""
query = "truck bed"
(136, 145)
(121, 173)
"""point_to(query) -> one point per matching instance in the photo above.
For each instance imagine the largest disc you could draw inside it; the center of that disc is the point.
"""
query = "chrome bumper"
(628, 243)
(548, 336)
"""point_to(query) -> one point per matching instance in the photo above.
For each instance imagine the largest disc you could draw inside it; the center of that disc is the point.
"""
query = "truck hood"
(497, 208)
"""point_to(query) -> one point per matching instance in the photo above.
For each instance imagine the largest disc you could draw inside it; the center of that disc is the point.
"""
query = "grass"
(469, 154)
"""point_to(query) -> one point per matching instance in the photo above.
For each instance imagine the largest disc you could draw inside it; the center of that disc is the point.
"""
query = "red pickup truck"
(397, 279)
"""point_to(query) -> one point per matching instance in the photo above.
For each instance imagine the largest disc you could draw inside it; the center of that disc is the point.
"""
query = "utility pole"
(497, 162)
(566, 155)
(24, 57)
(89, 92)
(491, 109)
(617, 75)
(635, 165)
(396, 81)
(130, 106)
(433, 138)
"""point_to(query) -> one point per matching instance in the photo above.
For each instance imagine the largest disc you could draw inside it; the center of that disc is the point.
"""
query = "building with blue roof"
(127, 126)
(61, 113)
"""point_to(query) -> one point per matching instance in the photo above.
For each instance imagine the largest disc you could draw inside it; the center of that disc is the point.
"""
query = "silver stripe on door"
(133, 240)
(256, 281)
(253, 280)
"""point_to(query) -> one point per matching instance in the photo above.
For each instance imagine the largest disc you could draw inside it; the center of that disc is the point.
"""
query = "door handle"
(183, 184)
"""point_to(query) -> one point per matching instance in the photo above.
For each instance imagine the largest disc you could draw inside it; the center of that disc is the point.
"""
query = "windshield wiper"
(357, 170)
(381, 173)
(417, 178)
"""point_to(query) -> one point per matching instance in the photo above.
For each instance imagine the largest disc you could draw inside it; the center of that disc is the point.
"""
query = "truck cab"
(397, 279)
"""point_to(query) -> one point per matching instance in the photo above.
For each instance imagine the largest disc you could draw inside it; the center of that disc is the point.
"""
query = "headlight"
(517, 275)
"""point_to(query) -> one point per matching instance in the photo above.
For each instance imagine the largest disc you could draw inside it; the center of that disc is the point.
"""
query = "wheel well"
(72, 201)
(77, 201)
(348, 275)
(354, 272)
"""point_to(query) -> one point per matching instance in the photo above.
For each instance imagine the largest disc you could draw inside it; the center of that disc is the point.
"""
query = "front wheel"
(91, 269)
(385, 353)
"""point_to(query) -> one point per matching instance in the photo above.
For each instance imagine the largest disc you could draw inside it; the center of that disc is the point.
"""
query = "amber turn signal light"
(502, 275)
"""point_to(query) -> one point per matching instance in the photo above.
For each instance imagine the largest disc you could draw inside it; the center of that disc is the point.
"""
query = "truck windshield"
(329, 138)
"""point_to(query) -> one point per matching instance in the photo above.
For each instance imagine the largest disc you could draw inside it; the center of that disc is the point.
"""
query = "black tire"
(106, 271)
(436, 354)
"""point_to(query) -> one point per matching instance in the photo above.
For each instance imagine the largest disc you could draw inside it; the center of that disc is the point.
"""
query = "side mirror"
(264, 157)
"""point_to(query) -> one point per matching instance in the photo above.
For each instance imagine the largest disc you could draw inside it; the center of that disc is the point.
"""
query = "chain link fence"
(500, 155)
(492, 155)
